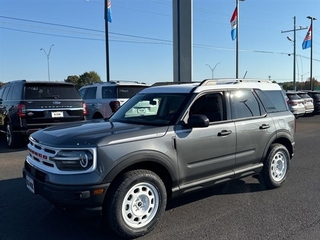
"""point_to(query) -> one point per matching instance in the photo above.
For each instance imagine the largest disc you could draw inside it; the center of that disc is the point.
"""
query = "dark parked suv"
(164, 142)
(27, 106)
(316, 100)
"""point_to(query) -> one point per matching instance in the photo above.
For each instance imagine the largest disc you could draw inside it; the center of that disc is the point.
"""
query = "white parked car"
(296, 104)
(308, 102)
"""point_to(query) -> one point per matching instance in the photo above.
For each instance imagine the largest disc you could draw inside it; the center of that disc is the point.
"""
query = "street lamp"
(212, 69)
(48, 57)
(294, 30)
(237, 38)
(311, 32)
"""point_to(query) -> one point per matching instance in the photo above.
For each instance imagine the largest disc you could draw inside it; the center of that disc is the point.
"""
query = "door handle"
(264, 126)
(224, 133)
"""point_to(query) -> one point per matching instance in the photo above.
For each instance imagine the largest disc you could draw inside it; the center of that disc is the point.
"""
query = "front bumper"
(66, 196)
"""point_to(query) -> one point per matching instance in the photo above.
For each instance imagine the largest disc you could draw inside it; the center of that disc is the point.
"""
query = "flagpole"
(237, 41)
(311, 35)
(107, 38)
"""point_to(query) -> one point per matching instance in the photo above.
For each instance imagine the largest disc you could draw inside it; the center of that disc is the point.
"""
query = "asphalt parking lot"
(242, 209)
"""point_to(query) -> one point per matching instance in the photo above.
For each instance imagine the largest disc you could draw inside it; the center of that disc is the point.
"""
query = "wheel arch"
(156, 163)
(283, 138)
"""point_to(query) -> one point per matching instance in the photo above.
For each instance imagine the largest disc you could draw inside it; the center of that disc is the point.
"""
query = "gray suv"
(164, 142)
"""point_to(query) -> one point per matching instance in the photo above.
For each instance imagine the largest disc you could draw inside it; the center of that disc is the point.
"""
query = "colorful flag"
(108, 11)
(307, 40)
(234, 23)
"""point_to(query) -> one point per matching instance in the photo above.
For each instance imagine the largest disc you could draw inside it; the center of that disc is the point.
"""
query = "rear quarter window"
(47, 91)
(273, 101)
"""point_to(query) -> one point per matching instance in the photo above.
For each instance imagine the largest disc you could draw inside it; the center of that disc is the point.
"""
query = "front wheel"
(135, 204)
(276, 166)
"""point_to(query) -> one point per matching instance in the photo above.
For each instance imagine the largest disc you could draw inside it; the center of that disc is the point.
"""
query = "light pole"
(48, 57)
(237, 39)
(294, 47)
(311, 33)
(212, 69)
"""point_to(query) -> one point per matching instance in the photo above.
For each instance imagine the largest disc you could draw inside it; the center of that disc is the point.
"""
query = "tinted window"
(5, 93)
(90, 93)
(54, 91)
(244, 104)
(16, 92)
(273, 101)
(1, 92)
(304, 95)
(209, 105)
(128, 91)
(108, 92)
(293, 96)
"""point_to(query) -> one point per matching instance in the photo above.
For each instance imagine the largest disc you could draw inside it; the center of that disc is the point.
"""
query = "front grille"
(41, 176)
(48, 159)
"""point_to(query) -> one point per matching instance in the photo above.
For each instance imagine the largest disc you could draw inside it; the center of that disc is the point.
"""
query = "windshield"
(151, 109)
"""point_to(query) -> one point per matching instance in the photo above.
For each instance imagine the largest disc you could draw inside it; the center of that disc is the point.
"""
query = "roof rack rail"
(232, 81)
(170, 83)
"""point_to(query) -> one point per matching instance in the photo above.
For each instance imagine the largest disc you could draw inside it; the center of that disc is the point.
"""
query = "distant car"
(296, 104)
(308, 102)
(27, 106)
(105, 98)
(316, 100)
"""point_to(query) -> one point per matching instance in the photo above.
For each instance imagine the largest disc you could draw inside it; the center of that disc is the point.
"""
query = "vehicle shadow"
(238, 186)
(34, 214)
(5, 149)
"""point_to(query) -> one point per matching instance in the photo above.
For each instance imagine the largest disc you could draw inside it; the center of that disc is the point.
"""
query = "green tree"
(1, 83)
(88, 78)
(72, 79)
(84, 79)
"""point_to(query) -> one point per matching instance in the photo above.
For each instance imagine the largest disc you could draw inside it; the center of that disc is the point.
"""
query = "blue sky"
(140, 39)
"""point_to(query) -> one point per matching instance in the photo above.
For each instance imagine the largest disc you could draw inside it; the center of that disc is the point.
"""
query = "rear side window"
(51, 91)
(88, 93)
(128, 91)
(1, 92)
(273, 101)
(245, 104)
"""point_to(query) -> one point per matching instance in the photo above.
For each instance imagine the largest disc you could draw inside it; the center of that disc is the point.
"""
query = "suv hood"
(96, 133)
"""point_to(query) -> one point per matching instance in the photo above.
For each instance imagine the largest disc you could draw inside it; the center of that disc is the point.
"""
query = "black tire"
(276, 167)
(136, 202)
(11, 138)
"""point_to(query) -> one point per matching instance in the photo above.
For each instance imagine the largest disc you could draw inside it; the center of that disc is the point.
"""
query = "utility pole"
(294, 30)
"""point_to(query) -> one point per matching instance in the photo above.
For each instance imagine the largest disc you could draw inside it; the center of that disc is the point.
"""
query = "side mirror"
(198, 120)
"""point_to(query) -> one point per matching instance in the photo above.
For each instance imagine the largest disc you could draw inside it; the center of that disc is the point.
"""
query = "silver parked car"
(296, 104)
(308, 102)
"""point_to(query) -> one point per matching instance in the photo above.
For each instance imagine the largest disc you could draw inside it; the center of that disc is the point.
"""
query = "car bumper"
(65, 196)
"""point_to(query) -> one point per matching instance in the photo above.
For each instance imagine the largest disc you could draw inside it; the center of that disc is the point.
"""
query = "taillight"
(21, 110)
(84, 105)
(114, 105)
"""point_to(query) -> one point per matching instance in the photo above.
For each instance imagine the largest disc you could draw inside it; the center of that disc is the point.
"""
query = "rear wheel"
(12, 139)
(136, 203)
(276, 166)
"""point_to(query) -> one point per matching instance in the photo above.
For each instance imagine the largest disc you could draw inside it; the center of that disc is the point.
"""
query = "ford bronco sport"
(105, 98)
(164, 142)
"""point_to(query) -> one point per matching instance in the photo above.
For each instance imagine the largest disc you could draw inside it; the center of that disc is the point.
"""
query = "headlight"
(73, 160)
